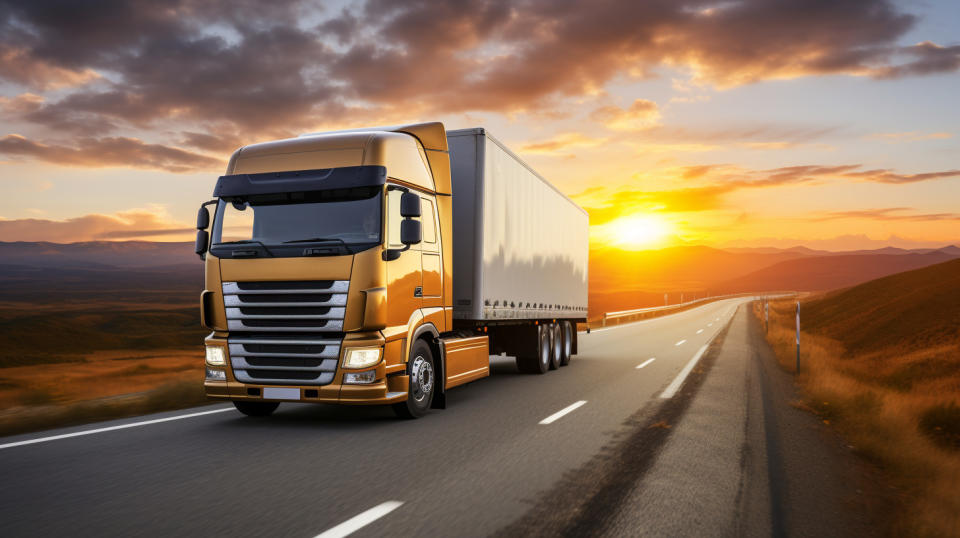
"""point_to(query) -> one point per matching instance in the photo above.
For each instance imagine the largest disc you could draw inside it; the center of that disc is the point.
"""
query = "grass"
(895, 402)
(105, 385)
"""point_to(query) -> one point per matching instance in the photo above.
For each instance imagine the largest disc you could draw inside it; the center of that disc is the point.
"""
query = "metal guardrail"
(640, 313)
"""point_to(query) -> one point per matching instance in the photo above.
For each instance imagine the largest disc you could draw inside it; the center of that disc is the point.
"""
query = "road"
(647, 432)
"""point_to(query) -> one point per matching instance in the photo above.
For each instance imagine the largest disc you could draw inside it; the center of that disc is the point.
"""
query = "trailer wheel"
(567, 348)
(556, 345)
(539, 363)
(422, 383)
(256, 409)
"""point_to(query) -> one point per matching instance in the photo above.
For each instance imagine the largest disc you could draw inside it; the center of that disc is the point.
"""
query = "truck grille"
(285, 332)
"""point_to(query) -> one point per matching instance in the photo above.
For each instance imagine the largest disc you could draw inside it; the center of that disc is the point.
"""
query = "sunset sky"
(833, 124)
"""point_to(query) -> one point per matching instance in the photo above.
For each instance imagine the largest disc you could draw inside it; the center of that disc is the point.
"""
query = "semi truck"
(384, 266)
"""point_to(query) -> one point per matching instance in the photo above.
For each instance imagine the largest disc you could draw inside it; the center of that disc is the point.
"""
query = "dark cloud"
(110, 151)
(287, 66)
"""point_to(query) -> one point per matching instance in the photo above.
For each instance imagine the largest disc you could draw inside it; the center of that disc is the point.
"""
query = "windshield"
(343, 216)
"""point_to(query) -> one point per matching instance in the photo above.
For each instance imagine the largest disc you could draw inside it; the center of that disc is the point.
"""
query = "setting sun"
(639, 232)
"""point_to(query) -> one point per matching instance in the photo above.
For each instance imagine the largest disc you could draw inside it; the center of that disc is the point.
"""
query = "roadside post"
(798, 337)
(766, 315)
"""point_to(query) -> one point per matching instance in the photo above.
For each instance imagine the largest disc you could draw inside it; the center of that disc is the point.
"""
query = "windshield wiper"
(318, 240)
(244, 241)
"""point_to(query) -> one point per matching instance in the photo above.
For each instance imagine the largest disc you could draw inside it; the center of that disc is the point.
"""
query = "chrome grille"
(285, 332)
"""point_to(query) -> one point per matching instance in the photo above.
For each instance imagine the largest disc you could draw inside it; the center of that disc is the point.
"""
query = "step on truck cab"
(383, 266)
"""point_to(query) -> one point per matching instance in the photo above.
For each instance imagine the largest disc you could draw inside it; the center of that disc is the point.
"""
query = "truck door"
(404, 276)
(430, 256)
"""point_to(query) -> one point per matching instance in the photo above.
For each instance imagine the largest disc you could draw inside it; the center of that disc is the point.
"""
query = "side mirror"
(410, 205)
(201, 246)
(203, 218)
(410, 232)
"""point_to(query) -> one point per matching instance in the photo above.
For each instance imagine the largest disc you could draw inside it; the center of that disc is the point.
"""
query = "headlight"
(360, 357)
(216, 356)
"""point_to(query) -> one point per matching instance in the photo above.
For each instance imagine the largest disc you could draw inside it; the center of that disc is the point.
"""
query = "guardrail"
(622, 316)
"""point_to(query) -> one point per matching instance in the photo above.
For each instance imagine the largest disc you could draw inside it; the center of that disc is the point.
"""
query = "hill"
(97, 254)
(829, 272)
(909, 310)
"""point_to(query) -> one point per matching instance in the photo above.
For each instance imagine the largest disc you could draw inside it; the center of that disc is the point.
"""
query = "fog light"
(216, 356)
(215, 374)
(361, 357)
(360, 378)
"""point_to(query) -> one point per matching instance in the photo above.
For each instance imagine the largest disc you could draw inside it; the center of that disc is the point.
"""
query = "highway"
(651, 430)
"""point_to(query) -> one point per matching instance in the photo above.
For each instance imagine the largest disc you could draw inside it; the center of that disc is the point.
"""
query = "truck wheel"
(539, 363)
(567, 348)
(556, 345)
(256, 409)
(422, 383)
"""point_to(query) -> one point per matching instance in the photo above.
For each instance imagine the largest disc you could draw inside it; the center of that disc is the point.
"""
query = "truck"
(384, 266)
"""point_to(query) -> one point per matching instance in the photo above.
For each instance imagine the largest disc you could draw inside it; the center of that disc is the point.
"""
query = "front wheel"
(422, 383)
(256, 409)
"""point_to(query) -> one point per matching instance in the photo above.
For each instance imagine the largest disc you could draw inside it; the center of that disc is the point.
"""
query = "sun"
(639, 232)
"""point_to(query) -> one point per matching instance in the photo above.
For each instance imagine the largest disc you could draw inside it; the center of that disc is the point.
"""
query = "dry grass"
(896, 405)
(108, 384)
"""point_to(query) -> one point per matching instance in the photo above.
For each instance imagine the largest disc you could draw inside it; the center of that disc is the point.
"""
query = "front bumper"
(383, 390)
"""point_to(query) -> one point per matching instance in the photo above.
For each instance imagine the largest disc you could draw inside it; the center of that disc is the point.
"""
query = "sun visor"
(346, 177)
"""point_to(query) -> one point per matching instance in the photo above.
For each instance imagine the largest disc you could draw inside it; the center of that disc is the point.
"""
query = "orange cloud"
(909, 136)
(111, 151)
(560, 142)
(642, 114)
(149, 223)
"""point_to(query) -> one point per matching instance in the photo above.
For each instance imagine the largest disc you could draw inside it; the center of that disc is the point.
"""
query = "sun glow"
(638, 232)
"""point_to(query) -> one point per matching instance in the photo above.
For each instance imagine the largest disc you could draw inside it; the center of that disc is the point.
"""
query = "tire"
(422, 384)
(256, 409)
(539, 363)
(556, 345)
(567, 347)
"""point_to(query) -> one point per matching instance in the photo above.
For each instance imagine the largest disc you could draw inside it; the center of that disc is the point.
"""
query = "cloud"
(560, 142)
(112, 151)
(908, 136)
(152, 222)
(261, 65)
(642, 114)
(887, 214)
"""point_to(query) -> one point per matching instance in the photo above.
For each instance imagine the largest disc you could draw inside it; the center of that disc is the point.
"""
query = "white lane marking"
(111, 428)
(646, 362)
(709, 324)
(361, 520)
(559, 414)
(680, 343)
(700, 331)
(675, 384)
(716, 319)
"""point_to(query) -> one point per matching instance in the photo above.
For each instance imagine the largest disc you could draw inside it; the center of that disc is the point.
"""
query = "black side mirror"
(203, 218)
(410, 231)
(201, 246)
(410, 205)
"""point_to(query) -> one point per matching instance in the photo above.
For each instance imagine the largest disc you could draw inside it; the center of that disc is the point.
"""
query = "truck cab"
(328, 273)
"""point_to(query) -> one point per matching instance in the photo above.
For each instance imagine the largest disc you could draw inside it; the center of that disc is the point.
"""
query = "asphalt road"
(646, 432)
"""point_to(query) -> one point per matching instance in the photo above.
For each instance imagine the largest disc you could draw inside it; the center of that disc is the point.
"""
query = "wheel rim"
(567, 344)
(421, 378)
(557, 344)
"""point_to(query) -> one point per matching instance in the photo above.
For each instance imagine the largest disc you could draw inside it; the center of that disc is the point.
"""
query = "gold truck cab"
(329, 274)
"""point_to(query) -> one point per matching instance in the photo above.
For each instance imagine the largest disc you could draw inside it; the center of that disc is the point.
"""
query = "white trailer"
(520, 246)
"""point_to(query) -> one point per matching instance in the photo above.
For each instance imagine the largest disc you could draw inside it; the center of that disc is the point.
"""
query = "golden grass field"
(880, 362)
(105, 385)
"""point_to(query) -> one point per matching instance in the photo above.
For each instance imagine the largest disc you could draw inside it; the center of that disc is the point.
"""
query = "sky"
(731, 124)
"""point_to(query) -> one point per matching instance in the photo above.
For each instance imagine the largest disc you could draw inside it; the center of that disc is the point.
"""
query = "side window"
(427, 220)
(393, 219)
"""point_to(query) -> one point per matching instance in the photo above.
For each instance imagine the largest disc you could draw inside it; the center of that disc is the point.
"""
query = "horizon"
(673, 133)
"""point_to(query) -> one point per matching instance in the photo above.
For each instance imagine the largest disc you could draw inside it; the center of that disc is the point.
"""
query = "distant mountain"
(917, 309)
(97, 254)
(829, 272)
